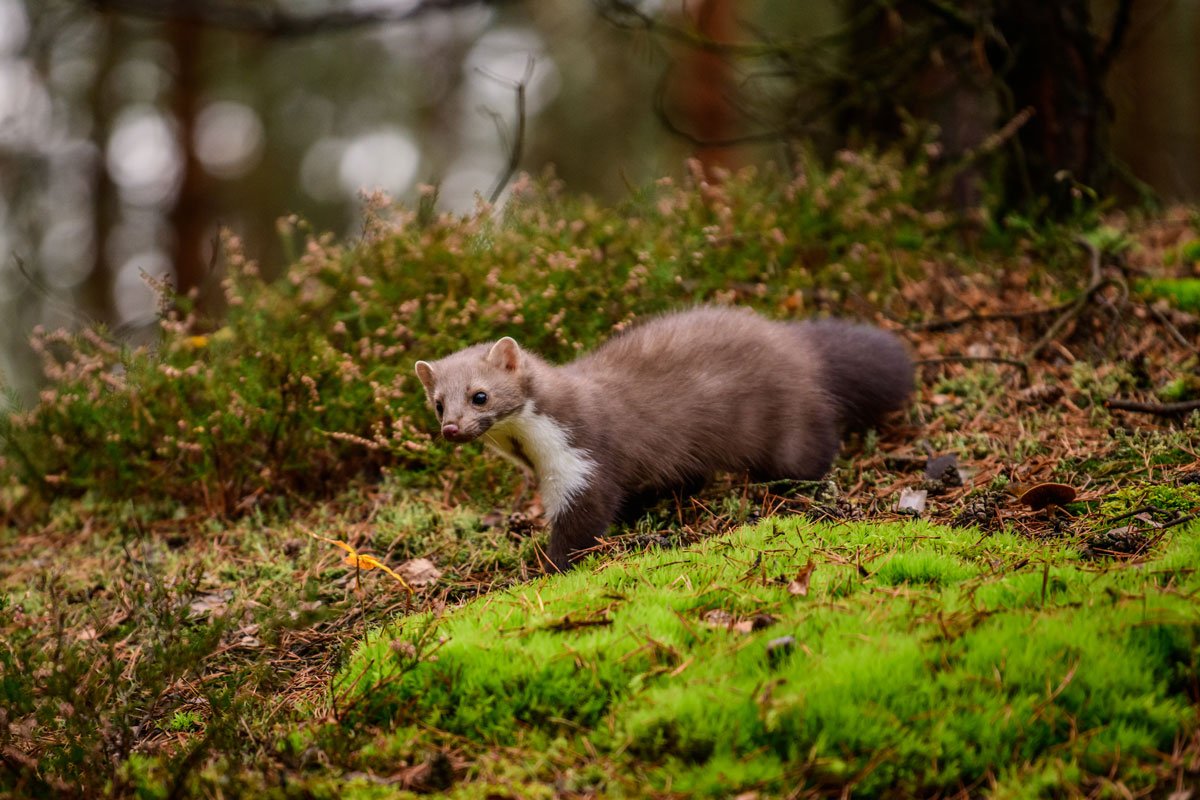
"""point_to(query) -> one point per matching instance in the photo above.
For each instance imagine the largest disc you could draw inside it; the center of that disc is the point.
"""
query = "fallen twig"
(1096, 283)
(1161, 409)
(1133, 513)
(1170, 326)
(1180, 520)
(938, 325)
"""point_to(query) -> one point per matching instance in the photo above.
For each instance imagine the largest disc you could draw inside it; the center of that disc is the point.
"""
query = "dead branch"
(1160, 409)
(1096, 284)
(517, 145)
(938, 325)
(265, 21)
(1172, 329)
(1133, 513)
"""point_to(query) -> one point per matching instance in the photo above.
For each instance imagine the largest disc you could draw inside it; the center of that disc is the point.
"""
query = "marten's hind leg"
(801, 456)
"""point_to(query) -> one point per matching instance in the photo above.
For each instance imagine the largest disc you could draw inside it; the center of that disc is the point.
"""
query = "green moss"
(183, 722)
(1189, 252)
(1183, 293)
(951, 659)
(1184, 499)
(1183, 387)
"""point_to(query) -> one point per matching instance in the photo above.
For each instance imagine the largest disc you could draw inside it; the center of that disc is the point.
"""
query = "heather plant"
(305, 381)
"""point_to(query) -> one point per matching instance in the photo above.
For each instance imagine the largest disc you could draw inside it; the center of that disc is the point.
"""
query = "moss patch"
(921, 660)
(1183, 293)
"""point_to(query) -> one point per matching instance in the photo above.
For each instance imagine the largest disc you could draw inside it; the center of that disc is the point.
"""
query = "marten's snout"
(456, 434)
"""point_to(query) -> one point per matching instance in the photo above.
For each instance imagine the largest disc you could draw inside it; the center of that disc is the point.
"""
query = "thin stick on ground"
(1160, 409)
(1096, 283)
(940, 325)
(1174, 331)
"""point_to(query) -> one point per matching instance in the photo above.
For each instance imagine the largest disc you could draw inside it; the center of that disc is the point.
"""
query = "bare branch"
(1161, 409)
(264, 21)
(517, 145)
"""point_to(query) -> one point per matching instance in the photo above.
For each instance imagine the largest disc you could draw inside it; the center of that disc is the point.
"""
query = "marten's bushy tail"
(868, 371)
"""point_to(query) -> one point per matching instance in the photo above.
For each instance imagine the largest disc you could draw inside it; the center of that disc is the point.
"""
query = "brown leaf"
(718, 618)
(755, 623)
(213, 604)
(420, 572)
(799, 586)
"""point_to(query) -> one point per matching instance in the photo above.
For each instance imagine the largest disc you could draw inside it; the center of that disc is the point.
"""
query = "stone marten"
(665, 404)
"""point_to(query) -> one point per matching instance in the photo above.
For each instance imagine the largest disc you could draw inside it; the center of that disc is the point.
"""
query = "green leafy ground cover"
(170, 627)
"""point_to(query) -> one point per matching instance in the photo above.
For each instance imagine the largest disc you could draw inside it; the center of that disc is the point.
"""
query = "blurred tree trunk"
(971, 67)
(96, 292)
(915, 67)
(189, 217)
(1057, 69)
(705, 78)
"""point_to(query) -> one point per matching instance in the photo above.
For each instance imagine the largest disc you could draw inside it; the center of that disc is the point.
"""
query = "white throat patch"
(562, 471)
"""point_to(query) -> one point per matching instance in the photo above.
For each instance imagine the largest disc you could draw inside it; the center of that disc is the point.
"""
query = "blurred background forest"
(130, 130)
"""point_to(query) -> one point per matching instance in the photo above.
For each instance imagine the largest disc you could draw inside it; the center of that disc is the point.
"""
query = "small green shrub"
(184, 722)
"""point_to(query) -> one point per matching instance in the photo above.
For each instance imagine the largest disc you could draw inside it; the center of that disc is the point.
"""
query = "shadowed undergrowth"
(912, 659)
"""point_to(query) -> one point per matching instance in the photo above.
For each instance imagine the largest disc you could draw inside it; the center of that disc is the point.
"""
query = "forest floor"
(915, 625)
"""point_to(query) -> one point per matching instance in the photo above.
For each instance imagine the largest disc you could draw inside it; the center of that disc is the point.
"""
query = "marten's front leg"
(575, 528)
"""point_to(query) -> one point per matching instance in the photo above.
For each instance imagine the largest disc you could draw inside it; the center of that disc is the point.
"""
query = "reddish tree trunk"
(705, 78)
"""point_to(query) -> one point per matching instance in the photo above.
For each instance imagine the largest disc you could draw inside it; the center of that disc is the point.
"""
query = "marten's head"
(475, 388)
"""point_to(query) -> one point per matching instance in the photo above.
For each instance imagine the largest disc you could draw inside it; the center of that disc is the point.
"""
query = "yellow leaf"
(197, 342)
(361, 561)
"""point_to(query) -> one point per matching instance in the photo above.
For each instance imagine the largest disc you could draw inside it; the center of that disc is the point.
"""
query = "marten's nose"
(450, 430)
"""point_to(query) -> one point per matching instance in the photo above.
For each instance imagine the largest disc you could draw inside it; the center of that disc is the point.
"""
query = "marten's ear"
(505, 354)
(425, 373)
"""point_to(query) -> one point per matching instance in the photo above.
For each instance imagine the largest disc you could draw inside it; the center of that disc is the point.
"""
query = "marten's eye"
(479, 398)
(438, 407)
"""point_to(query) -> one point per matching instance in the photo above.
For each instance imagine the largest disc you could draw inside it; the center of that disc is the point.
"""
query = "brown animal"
(663, 405)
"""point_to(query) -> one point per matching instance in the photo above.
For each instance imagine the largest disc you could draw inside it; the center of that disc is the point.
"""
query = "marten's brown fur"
(665, 404)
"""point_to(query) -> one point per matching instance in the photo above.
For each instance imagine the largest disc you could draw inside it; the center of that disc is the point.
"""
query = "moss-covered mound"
(909, 660)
